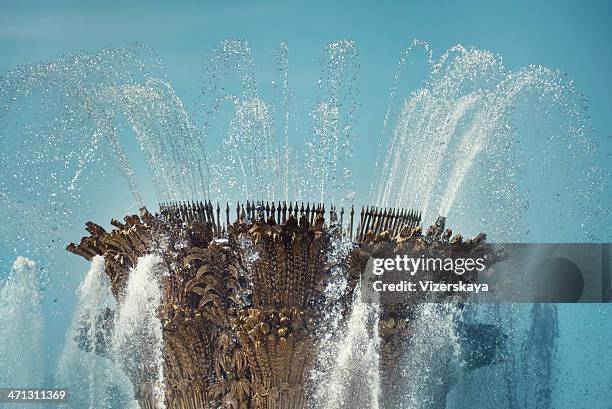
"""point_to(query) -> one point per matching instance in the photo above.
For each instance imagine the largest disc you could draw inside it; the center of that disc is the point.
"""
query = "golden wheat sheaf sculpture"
(241, 303)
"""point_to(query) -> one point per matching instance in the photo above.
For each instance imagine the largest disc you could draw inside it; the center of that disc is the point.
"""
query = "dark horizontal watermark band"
(498, 272)
(33, 395)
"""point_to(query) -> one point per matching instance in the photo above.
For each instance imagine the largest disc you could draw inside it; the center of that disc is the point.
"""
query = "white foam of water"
(22, 325)
(138, 339)
(430, 360)
(351, 378)
(94, 380)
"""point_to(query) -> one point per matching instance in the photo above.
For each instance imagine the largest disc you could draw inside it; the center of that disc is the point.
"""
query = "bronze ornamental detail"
(241, 305)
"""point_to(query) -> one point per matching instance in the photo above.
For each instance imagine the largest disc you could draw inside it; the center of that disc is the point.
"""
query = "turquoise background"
(572, 36)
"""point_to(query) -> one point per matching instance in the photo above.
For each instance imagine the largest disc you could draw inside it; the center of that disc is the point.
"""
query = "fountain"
(239, 303)
(257, 304)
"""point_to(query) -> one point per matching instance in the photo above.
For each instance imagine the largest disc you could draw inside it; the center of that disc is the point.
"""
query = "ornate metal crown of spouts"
(241, 307)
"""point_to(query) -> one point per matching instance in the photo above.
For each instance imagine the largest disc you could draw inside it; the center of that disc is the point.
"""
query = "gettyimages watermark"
(505, 272)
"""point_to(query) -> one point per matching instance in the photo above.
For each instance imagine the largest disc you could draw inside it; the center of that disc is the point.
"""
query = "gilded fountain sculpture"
(241, 303)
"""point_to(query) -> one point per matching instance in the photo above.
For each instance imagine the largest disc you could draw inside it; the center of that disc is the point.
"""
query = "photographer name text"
(411, 266)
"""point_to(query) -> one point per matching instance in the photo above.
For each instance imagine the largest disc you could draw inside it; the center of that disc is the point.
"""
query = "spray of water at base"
(137, 338)
(86, 366)
(430, 360)
(352, 378)
(20, 336)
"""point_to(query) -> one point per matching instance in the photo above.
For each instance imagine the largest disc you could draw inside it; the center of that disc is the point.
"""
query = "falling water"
(525, 376)
(346, 372)
(22, 325)
(63, 122)
(538, 356)
(350, 377)
(255, 158)
(430, 361)
(329, 150)
(492, 385)
(463, 135)
(281, 83)
(137, 338)
(108, 344)
(87, 365)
